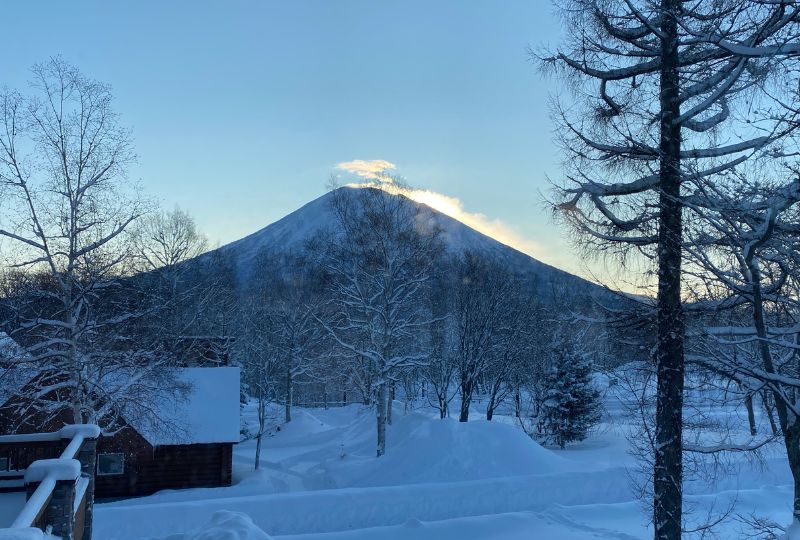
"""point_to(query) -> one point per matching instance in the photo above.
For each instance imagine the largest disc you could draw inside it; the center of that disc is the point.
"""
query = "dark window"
(110, 464)
(3, 463)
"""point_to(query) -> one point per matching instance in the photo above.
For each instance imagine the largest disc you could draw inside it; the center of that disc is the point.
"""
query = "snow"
(430, 450)
(793, 532)
(289, 235)
(57, 469)
(23, 533)
(441, 479)
(85, 431)
(229, 526)
(11, 504)
(209, 414)
(14, 379)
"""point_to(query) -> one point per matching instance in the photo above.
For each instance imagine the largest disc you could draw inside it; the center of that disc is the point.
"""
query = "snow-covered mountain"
(290, 234)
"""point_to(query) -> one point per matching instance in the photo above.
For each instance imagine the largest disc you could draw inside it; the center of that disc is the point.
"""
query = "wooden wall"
(149, 469)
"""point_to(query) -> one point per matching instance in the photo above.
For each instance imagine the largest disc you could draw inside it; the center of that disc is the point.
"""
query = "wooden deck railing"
(59, 490)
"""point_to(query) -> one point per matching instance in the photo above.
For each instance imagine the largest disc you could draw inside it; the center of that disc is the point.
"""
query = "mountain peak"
(289, 235)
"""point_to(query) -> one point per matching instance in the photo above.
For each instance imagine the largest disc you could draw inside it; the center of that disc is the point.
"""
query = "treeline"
(102, 290)
(377, 309)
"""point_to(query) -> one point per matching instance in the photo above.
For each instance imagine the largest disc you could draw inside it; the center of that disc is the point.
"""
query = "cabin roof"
(209, 414)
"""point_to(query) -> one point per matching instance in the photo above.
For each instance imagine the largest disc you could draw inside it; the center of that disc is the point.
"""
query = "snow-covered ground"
(440, 479)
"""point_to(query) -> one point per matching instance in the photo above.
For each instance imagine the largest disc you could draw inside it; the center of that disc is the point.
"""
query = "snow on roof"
(209, 414)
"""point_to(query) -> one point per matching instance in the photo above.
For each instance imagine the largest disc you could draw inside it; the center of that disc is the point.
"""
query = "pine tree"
(572, 403)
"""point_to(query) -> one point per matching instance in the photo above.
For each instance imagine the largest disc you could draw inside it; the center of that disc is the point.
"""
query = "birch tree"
(295, 309)
(65, 208)
(664, 91)
(380, 260)
(164, 244)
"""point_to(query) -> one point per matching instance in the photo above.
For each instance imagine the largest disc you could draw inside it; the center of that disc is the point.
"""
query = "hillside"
(290, 234)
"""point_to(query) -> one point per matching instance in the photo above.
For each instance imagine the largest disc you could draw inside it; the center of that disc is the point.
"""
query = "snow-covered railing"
(60, 491)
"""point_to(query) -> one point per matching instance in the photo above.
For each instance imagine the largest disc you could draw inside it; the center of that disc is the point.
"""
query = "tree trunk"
(751, 416)
(258, 451)
(490, 407)
(262, 420)
(765, 400)
(466, 399)
(464, 414)
(389, 405)
(443, 406)
(668, 466)
(289, 395)
(381, 419)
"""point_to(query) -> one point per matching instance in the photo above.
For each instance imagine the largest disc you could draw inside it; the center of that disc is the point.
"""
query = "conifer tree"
(572, 404)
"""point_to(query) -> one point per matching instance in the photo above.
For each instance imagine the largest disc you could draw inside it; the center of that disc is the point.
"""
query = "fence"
(56, 472)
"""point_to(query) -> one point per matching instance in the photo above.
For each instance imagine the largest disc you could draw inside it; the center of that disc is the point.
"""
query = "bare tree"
(664, 93)
(66, 208)
(295, 309)
(165, 240)
(380, 262)
(165, 243)
(440, 369)
(258, 357)
(483, 318)
(747, 242)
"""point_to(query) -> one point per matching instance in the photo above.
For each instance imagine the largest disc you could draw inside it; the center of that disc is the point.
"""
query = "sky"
(242, 110)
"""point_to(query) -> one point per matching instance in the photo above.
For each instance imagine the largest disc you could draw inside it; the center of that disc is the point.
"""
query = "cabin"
(191, 446)
(195, 451)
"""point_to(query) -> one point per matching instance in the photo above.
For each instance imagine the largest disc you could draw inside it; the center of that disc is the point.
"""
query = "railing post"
(59, 510)
(87, 457)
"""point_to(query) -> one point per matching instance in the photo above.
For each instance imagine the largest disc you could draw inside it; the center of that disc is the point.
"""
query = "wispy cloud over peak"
(373, 169)
(382, 171)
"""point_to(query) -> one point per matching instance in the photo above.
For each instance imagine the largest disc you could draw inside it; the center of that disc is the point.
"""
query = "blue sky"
(241, 110)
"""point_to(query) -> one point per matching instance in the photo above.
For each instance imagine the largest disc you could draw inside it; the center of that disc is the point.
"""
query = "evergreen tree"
(572, 403)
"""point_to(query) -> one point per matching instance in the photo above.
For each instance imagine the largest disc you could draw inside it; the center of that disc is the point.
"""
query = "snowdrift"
(421, 449)
(225, 525)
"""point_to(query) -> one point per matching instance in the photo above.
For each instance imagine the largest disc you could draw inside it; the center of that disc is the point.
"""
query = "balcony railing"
(56, 471)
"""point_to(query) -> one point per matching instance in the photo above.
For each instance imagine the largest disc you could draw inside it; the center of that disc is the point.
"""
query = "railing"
(59, 490)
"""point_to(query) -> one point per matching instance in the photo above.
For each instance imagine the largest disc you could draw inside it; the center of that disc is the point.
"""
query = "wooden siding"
(149, 469)
(21, 454)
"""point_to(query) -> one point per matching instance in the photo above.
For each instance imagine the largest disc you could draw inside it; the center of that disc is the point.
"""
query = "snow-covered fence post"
(87, 457)
(50, 492)
(60, 491)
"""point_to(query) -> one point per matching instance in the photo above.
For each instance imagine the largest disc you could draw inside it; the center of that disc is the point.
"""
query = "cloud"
(495, 228)
(378, 169)
(373, 169)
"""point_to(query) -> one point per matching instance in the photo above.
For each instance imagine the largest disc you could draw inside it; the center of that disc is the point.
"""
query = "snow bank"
(225, 525)
(332, 510)
(793, 532)
(24, 533)
(421, 449)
